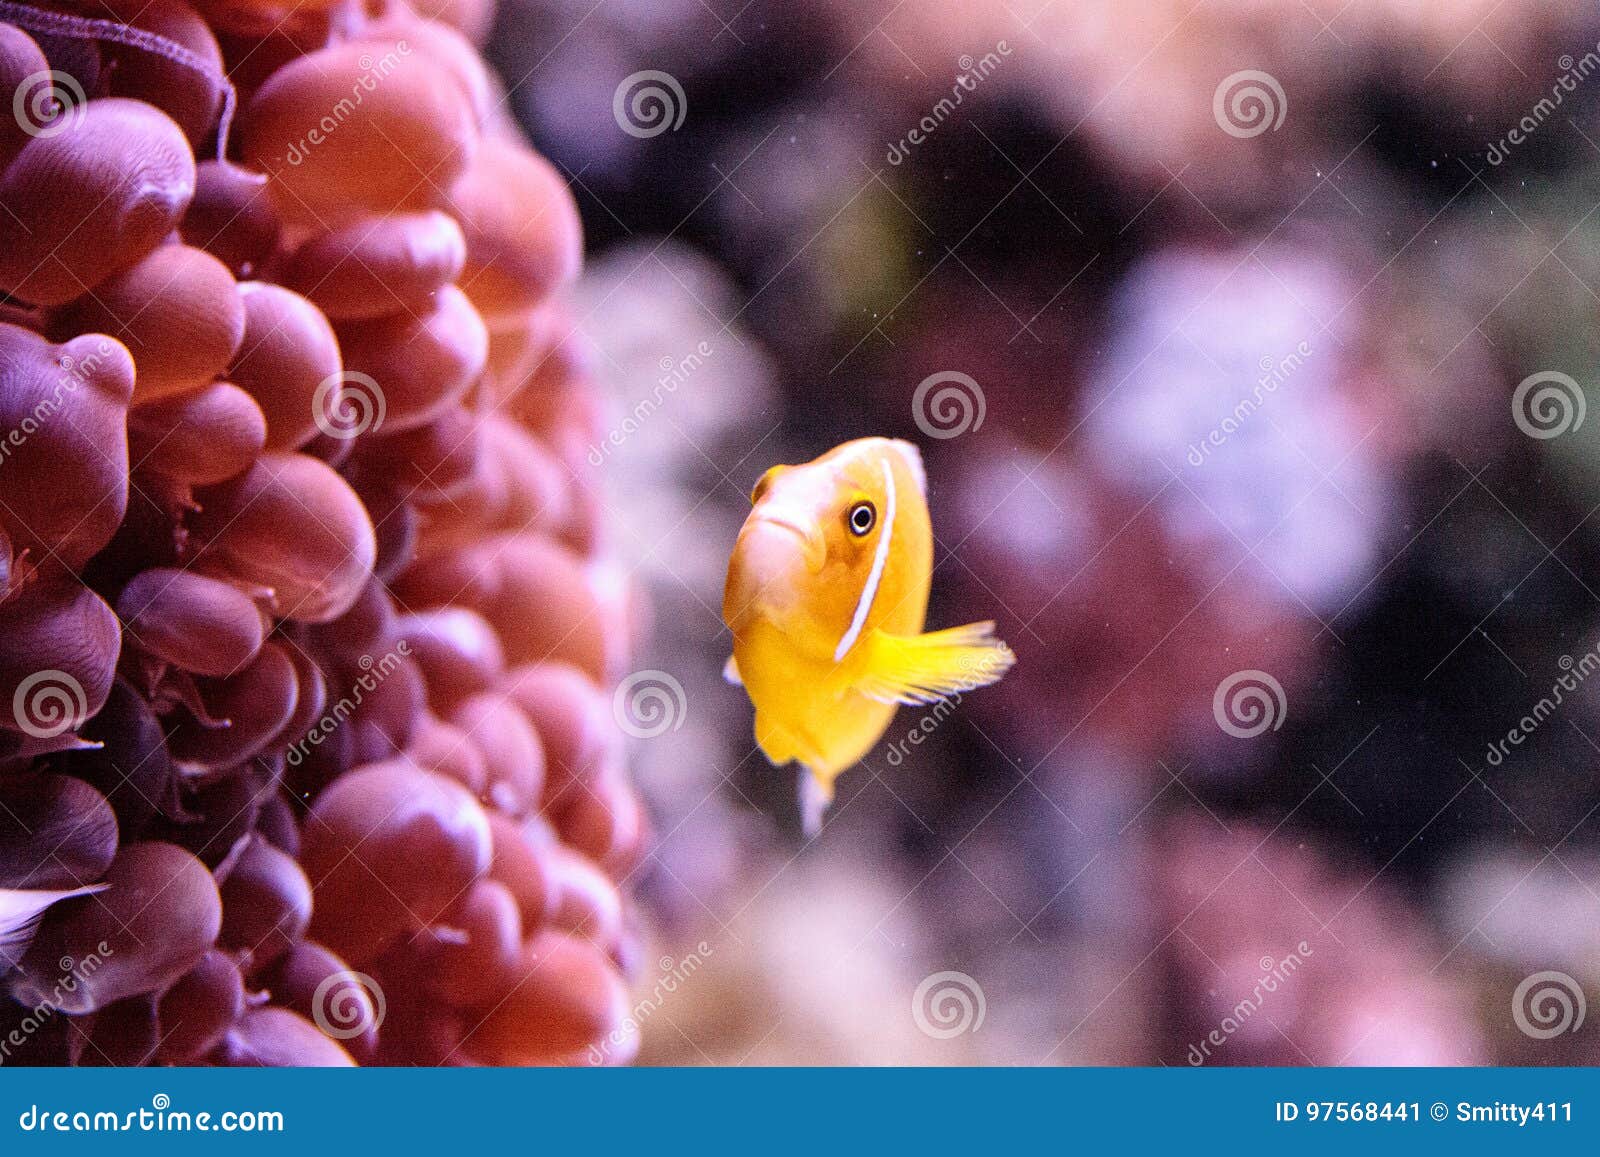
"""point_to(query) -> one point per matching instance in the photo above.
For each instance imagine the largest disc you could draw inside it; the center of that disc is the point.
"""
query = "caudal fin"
(926, 668)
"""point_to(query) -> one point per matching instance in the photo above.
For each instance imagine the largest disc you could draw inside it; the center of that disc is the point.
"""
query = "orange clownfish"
(827, 591)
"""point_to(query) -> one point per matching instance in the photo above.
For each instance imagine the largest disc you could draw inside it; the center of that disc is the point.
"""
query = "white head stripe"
(875, 576)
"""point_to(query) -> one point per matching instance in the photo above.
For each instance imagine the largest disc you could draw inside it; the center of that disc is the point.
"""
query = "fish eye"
(863, 517)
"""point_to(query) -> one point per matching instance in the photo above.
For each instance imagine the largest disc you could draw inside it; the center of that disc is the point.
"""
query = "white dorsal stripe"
(880, 560)
(913, 461)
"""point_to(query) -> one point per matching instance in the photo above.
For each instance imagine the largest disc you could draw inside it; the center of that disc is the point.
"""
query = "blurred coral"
(1280, 958)
(1240, 294)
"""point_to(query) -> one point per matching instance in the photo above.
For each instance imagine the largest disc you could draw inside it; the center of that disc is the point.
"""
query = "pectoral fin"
(926, 668)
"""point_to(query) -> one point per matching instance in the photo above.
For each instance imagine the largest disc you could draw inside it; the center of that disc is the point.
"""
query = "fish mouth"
(787, 524)
(813, 549)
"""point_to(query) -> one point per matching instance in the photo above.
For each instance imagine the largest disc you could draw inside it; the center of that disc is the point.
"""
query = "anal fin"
(814, 796)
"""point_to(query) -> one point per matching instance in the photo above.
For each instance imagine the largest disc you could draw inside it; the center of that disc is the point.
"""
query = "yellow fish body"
(826, 596)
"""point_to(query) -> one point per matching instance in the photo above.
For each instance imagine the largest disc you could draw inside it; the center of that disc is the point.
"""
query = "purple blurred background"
(1260, 336)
